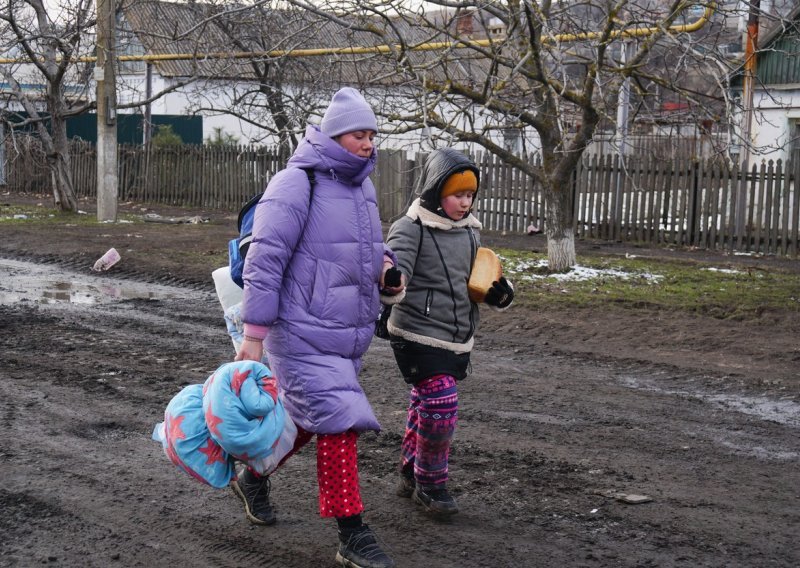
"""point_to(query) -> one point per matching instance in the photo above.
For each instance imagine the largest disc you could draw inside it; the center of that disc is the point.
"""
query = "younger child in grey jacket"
(432, 330)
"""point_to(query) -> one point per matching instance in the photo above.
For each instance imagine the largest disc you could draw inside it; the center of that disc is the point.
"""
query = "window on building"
(794, 141)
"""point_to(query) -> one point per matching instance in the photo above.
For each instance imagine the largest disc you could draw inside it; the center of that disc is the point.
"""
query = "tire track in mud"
(255, 549)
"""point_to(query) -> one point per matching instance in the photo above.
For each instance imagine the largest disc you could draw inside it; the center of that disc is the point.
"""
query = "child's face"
(456, 206)
(360, 142)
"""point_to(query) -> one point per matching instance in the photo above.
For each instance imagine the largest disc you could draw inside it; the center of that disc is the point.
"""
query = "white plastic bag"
(227, 290)
(282, 447)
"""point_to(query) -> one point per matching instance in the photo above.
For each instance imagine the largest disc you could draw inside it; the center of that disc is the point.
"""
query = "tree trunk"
(56, 146)
(558, 228)
(560, 251)
(62, 180)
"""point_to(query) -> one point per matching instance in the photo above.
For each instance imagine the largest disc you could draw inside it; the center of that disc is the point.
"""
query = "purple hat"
(348, 112)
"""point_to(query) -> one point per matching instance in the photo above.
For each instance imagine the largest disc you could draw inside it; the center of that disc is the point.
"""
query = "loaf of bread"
(487, 269)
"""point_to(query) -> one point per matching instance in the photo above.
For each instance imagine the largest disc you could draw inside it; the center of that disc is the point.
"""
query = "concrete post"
(107, 177)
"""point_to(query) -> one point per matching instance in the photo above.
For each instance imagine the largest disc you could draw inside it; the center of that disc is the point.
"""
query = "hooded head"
(347, 112)
(446, 172)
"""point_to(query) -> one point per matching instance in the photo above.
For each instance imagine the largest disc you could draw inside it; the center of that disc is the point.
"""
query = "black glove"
(501, 294)
(392, 278)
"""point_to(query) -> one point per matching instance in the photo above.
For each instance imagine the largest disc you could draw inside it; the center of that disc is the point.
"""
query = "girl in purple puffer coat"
(312, 278)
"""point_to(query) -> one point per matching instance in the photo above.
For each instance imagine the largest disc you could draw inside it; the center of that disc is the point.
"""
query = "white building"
(240, 97)
(775, 117)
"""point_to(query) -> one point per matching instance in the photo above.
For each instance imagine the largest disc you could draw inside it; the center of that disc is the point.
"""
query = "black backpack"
(238, 247)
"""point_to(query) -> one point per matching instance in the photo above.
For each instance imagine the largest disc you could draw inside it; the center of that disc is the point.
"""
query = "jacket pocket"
(319, 293)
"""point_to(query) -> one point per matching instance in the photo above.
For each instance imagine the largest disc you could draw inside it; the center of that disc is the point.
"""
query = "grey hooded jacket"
(436, 253)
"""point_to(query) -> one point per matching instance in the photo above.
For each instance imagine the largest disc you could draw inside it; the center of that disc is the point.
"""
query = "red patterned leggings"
(337, 472)
(431, 423)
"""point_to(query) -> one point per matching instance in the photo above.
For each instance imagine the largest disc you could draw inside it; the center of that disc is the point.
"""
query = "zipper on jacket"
(473, 242)
(450, 284)
(428, 302)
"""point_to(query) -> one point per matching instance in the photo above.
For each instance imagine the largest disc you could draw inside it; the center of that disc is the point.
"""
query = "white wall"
(773, 122)
(131, 88)
(216, 94)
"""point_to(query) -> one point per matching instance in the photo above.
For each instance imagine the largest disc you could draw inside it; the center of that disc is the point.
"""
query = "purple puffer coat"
(311, 276)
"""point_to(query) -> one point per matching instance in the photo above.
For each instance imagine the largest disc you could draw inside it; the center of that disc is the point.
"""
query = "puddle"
(44, 284)
(784, 412)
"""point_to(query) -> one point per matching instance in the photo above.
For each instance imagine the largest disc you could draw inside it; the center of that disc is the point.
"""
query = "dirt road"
(557, 424)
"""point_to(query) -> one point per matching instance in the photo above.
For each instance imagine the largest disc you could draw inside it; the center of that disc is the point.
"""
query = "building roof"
(781, 27)
(169, 27)
(166, 28)
(778, 55)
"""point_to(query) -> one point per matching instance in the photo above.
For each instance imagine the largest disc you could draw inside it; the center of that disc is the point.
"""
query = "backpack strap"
(421, 234)
(238, 247)
(473, 245)
(312, 181)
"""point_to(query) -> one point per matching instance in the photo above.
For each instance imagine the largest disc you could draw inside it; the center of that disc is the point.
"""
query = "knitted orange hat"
(460, 181)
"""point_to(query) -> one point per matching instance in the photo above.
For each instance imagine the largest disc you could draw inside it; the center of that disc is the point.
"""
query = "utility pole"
(751, 45)
(147, 126)
(621, 135)
(2, 154)
(105, 76)
(748, 85)
(624, 102)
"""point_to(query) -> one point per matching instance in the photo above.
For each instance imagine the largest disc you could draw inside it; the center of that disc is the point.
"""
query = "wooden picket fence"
(687, 202)
(709, 205)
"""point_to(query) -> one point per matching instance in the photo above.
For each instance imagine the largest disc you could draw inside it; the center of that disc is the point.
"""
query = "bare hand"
(251, 350)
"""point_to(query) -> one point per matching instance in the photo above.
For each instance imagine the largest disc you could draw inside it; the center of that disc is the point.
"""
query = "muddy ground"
(565, 412)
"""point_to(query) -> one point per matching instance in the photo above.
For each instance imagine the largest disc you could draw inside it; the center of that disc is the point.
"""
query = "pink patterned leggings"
(431, 423)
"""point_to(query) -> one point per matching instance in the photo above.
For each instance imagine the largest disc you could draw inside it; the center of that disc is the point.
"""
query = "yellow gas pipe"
(558, 38)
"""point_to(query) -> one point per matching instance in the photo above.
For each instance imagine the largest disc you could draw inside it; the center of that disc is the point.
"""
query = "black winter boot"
(254, 493)
(435, 499)
(359, 548)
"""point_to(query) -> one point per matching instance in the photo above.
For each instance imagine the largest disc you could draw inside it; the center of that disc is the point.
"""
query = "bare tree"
(280, 92)
(49, 86)
(550, 73)
(48, 65)
(260, 72)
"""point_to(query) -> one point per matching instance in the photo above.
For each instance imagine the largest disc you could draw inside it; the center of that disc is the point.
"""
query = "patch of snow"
(520, 269)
